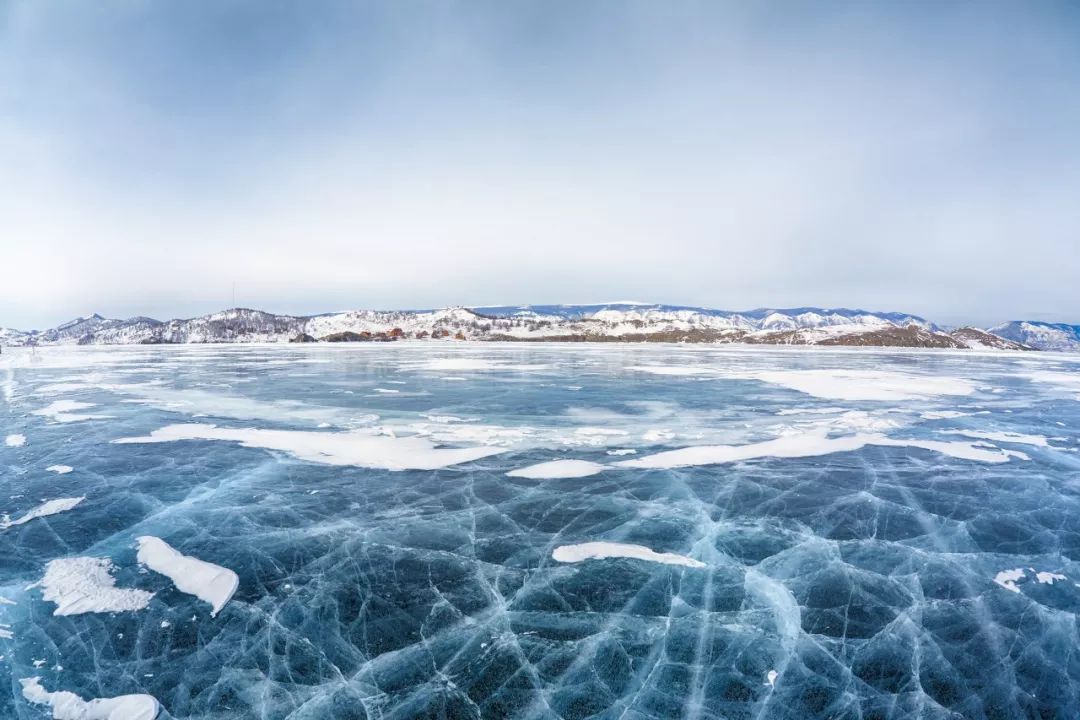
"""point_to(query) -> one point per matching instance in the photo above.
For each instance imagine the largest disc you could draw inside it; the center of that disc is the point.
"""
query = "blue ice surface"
(864, 580)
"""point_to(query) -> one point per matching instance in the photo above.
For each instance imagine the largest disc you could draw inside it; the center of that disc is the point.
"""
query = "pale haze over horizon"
(917, 157)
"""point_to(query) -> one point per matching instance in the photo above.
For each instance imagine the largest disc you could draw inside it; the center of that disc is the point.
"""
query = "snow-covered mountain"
(1041, 335)
(609, 322)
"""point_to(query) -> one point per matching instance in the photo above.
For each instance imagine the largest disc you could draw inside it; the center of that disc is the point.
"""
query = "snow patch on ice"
(85, 584)
(69, 706)
(863, 384)
(363, 448)
(559, 469)
(1007, 579)
(1064, 380)
(1048, 578)
(64, 411)
(208, 582)
(678, 370)
(51, 507)
(1007, 437)
(476, 364)
(447, 418)
(603, 550)
(942, 414)
(811, 444)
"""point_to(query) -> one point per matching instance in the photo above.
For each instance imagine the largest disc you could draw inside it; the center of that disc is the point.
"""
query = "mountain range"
(606, 322)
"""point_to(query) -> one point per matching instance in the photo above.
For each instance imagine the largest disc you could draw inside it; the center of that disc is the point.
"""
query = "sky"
(172, 159)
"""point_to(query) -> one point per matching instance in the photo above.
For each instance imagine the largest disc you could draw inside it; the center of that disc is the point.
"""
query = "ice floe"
(208, 582)
(363, 448)
(603, 550)
(59, 469)
(85, 584)
(51, 507)
(559, 469)
(69, 706)
(15, 440)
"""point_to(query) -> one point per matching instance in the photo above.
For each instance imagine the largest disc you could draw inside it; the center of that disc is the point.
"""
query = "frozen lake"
(539, 531)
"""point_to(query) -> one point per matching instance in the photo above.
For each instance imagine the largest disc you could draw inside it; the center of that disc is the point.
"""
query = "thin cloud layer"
(323, 155)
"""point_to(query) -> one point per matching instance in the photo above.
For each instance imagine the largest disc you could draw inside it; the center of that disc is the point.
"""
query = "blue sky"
(910, 156)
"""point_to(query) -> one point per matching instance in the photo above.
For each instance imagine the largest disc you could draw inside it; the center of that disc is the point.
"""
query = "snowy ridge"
(1041, 335)
(623, 321)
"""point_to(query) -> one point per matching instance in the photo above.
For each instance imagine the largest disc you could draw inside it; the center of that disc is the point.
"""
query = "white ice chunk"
(60, 469)
(85, 584)
(363, 448)
(208, 582)
(69, 706)
(51, 507)
(559, 469)
(602, 550)
(15, 440)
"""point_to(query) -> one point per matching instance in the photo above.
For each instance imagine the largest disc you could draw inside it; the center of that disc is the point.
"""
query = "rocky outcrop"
(302, 338)
(345, 337)
(910, 336)
(977, 339)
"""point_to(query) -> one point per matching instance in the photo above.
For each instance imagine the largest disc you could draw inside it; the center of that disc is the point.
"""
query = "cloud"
(338, 156)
